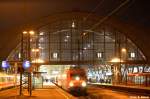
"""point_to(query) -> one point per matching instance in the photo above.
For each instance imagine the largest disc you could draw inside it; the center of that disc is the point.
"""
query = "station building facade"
(106, 53)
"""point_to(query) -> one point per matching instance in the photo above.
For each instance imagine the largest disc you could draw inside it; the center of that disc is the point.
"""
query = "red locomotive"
(73, 79)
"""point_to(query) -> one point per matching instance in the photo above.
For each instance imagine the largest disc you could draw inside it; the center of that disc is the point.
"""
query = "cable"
(93, 10)
(110, 14)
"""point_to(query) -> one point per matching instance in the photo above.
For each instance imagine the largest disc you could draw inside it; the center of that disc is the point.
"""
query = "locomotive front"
(77, 80)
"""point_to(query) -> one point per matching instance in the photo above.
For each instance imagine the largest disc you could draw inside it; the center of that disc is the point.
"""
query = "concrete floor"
(48, 92)
(53, 92)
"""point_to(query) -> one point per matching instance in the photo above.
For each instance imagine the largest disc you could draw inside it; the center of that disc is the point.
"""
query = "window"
(132, 55)
(99, 55)
(135, 70)
(55, 55)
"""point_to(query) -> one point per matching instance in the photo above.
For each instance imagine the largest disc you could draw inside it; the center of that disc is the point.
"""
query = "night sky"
(15, 13)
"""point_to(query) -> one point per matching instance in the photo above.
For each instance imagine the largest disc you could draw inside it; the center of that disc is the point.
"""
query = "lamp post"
(22, 58)
(35, 52)
(124, 56)
(27, 34)
(116, 69)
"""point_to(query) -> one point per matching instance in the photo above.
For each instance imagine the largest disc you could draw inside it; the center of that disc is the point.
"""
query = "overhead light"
(41, 39)
(19, 55)
(67, 36)
(89, 45)
(31, 32)
(73, 24)
(85, 48)
(84, 33)
(25, 32)
(115, 60)
(65, 40)
(35, 50)
(123, 50)
(41, 47)
(41, 33)
(38, 61)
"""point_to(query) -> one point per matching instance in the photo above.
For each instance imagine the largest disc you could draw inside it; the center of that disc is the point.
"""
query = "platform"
(47, 92)
(132, 89)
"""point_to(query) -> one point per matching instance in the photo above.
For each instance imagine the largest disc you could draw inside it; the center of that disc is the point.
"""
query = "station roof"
(133, 18)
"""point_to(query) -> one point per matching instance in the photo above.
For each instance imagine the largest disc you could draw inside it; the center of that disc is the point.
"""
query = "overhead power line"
(98, 5)
(110, 14)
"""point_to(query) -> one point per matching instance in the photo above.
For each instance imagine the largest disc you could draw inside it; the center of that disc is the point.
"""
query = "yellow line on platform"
(63, 94)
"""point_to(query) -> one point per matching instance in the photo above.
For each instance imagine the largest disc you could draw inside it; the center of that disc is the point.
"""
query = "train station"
(75, 49)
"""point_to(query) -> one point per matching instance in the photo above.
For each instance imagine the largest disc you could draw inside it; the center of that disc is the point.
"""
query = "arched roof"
(138, 32)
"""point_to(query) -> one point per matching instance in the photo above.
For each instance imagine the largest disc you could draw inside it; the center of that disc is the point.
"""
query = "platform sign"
(5, 64)
(26, 64)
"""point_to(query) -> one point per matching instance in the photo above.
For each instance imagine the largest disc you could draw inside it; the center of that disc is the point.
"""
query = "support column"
(116, 74)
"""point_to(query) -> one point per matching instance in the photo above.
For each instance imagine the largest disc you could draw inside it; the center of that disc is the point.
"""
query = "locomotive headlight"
(71, 84)
(83, 84)
(77, 78)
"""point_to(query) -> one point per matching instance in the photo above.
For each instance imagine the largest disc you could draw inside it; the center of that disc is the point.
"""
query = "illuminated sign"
(5, 64)
(26, 64)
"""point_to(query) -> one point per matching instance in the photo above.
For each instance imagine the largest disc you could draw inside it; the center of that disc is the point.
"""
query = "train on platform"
(142, 79)
(73, 80)
(7, 80)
